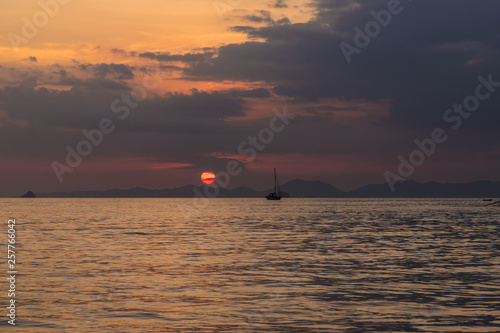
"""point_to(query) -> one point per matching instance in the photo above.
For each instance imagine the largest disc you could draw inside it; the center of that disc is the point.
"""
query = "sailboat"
(276, 194)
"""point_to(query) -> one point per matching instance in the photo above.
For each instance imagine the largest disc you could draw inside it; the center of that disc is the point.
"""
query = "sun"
(207, 177)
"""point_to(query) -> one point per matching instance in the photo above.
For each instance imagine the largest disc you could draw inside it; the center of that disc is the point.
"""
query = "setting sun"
(207, 177)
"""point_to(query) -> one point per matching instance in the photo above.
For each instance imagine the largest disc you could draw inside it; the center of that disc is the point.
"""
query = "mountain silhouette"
(306, 189)
(413, 189)
(28, 194)
(311, 189)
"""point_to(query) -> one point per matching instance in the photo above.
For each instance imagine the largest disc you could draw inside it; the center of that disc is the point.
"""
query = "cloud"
(175, 128)
(116, 71)
(39, 106)
(188, 57)
(88, 99)
(279, 4)
(242, 28)
(118, 51)
(253, 93)
(425, 60)
(200, 112)
(262, 16)
(92, 83)
(32, 59)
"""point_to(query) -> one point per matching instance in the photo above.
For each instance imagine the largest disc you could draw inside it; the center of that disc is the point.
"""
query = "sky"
(122, 94)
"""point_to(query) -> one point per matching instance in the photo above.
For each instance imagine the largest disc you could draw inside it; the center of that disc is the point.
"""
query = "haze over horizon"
(164, 91)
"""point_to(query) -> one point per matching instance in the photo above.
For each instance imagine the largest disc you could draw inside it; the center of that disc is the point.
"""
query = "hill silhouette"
(307, 189)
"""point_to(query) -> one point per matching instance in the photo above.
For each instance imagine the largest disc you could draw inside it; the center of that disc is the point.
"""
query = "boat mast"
(275, 190)
(275, 182)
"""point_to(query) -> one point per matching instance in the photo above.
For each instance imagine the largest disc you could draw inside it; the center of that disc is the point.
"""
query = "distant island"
(28, 194)
(308, 189)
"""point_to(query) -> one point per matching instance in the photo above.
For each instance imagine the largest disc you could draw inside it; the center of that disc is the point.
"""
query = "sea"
(252, 265)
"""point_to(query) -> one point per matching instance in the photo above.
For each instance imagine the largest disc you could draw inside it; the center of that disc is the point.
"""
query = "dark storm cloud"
(182, 127)
(426, 59)
(299, 59)
(199, 112)
(76, 108)
(84, 104)
(176, 127)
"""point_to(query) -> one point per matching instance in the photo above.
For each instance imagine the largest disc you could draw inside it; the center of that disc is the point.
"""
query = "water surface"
(251, 265)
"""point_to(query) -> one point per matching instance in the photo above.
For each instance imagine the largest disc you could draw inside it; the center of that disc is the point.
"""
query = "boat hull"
(273, 196)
